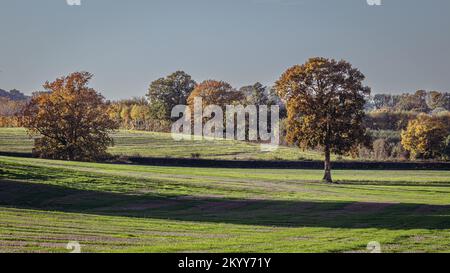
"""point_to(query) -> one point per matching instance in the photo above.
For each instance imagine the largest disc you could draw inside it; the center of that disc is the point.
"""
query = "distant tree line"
(421, 101)
(153, 112)
(11, 103)
(409, 126)
(14, 95)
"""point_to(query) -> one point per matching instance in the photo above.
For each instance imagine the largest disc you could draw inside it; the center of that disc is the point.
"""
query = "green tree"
(325, 102)
(171, 91)
(255, 94)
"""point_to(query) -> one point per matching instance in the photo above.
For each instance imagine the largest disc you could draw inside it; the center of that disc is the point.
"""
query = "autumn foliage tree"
(212, 92)
(215, 93)
(71, 120)
(325, 101)
(426, 136)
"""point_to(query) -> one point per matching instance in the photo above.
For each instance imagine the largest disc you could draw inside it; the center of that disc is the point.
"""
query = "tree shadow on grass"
(429, 183)
(277, 213)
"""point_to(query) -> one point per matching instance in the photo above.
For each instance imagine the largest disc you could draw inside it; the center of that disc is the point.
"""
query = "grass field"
(150, 144)
(122, 208)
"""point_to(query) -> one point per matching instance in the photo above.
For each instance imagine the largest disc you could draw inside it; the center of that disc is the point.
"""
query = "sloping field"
(106, 208)
(150, 144)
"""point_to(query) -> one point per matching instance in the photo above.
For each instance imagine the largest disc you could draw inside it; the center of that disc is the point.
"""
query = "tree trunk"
(327, 177)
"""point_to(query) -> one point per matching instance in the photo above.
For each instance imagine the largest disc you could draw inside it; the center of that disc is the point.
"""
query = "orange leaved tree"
(71, 120)
(325, 101)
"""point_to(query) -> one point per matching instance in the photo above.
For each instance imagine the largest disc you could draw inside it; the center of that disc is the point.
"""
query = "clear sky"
(403, 45)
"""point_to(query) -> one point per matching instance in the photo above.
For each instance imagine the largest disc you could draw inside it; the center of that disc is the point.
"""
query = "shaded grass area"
(273, 213)
(44, 204)
(152, 144)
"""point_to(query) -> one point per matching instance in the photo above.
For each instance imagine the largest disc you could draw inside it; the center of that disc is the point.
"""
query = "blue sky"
(403, 45)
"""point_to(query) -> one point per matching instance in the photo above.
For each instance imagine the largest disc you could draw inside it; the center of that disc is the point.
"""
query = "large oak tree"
(325, 101)
(71, 120)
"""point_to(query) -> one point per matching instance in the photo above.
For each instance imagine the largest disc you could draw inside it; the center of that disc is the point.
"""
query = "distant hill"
(14, 94)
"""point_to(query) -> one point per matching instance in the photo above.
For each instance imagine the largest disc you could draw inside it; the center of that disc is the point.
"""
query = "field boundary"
(262, 164)
(269, 164)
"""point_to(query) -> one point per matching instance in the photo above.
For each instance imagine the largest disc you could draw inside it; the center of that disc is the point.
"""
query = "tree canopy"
(325, 102)
(170, 91)
(426, 135)
(215, 93)
(71, 120)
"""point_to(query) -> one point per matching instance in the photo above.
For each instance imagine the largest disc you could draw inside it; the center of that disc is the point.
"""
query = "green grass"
(151, 144)
(123, 208)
